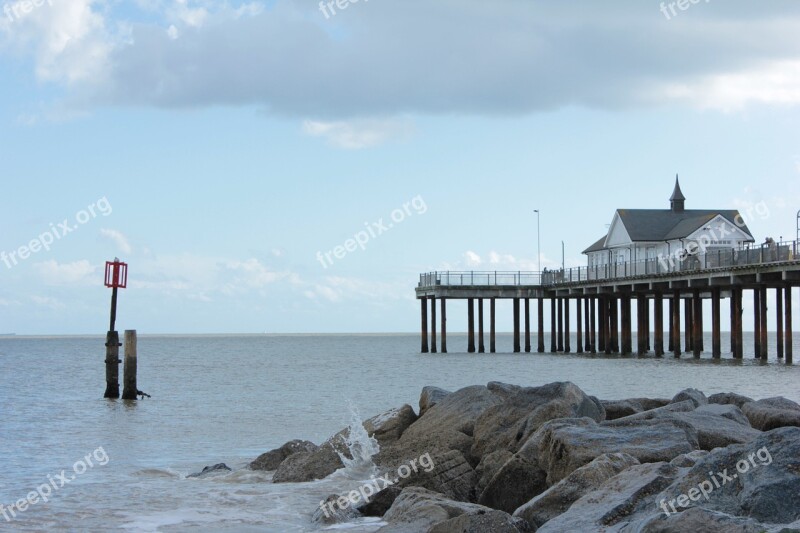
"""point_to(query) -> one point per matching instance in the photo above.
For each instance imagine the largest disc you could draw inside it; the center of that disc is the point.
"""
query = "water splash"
(361, 446)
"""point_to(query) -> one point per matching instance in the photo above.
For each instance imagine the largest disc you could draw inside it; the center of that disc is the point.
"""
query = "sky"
(292, 166)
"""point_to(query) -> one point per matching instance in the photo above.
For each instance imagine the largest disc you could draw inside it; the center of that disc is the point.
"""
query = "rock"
(410, 447)
(491, 521)
(729, 398)
(489, 466)
(271, 460)
(760, 492)
(716, 426)
(381, 501)
(450, 474)
(431, 396)
(221, 467)
(316, 464)
(330, 512)
(688, 460)
(611, 506)
(772, 413)
(558, 498)
(418, 509)
(620, 408)
(701, 521)
(519, 480)
(388, 427)
(679, 407)
(696, 396)
(456, 412)
(562, 446)
(508, 424)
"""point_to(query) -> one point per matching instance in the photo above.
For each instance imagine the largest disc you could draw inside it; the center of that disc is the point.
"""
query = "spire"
(677, 199)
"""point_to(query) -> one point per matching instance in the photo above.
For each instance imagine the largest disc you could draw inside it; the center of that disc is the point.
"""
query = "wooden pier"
(602, 302)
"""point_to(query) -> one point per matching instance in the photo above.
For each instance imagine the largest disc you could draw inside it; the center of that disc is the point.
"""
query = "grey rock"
(519, 480)
(679, 407)
(612, 506)
(490, 521)
(688, 460)
(490, 464)
(451, 475)
(558, 498)
(562, 446)
(388, 427)
(431, 396)
(508, 424)
(411, 446)
(696, 396)
(272, 459)
(619, 408)
(380, 502)
(209, 470)
(316, 464)
(330, 512)
(698, 520)
(729, 398)
(772, 413)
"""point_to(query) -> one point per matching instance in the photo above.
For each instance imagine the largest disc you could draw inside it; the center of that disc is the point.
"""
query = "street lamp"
(539, 241)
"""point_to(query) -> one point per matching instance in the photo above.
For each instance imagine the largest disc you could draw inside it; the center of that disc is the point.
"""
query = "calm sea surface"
(230, 398)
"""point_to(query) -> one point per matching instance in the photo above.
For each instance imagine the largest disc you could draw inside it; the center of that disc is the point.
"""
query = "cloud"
(355, 135)
(48, 302)
(76, 273)
(119, 239)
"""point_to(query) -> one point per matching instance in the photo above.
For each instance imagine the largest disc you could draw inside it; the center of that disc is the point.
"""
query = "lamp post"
(539, 241)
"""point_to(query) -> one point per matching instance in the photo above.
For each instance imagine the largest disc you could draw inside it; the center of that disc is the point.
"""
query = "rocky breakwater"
(505, 458)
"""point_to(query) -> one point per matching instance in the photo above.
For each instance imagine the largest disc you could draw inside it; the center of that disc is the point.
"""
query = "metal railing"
(719, 258)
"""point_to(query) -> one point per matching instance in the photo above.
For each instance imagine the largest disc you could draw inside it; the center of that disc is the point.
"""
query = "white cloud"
(472, 258)
(119, 239)
(75, 273)
(355, 135)
(7, 303)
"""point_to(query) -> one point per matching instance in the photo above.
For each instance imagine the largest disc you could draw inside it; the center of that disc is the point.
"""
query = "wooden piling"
(492, 345)
(130, 390)
(433, 324)
(627, 343)
(697, 327)
(567, 345)
(444, 325)
(112, 365)
(527, 325)
(424, 326)
(516, 326)
(658, 326)
(716, 343)
(756, 323)
(779, 320)
(688, 325)
(763, 316)
(470, 325)
(560, 315)
(641, 326)
(670, 325)
(540, 325)
(787, 309)
(602, 316)
(736, 327)
(553, 332)
(579, 325)
(676, 323)
(614, 325)
(481, 347)
(593, 325)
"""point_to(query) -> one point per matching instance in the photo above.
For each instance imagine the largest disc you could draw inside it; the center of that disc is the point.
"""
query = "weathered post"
(540, 325)
(763, 316)
(627, 344)
(697, 323)
(553, 333)
(756, 323)
(779, 319)
(579, 324)
(116, 277)
(688, 325)
(658, 303)
(527, 325)
(788, 322)
(560, 324)
(716, 345)
(593, 325)
(481, 348)
(516, 325)
(424, 326)
(433, 324)
(130, 391)
(736, 317)
(492, 347)
(614, 325)
(676, 323)
(567, 345)
(470, 325)
(444, 325)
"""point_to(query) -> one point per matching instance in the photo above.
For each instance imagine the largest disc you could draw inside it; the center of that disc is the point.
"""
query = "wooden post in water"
(627, 343)
(763, 316)
(470, 325)
(676, 323)
(540, 325)
(788, 322)
(492, 325)
(567, 345)
(553, 334)
(481, 347)
(112, 364)
(579, 325)
(593, 324)
(527, 325)
(424, 326)
(736, 327)
(129, 390)
(779, 319)
(433, 324)
(444, 325)
(602, 316)
(716, 344)
(756, 323)
(671, 324)
(516, 326)
(658, 326)
(614, 325)
(560, 324)
(697, 323)
(641, 327)
(688, 325)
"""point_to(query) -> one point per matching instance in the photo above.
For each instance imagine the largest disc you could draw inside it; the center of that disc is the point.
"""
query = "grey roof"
(677, 194)
(657, 225)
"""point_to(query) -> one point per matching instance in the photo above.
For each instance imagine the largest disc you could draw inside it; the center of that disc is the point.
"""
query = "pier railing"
(710, 259)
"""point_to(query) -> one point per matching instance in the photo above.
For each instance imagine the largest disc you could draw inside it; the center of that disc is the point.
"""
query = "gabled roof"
(659, 225)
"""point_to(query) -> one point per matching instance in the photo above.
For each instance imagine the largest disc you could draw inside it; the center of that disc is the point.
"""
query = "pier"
(600, 300)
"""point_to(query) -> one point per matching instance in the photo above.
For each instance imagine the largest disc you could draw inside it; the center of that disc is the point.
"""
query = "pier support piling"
(716, 343)
(779, 320)
(697, 323)
(579, 325)
(593, 325)
(641, 327)
(756, 323)
(627, 343)
(676, 323)
(688, 325)
(553, 333)
(470, 325)
(424, 326)
(615, 325)
(481, 347)
(540, 325)
(560, 315)
(444, 325)
(527, 325)
(787, 309)
(763, 315)
(516, 326)
(433, 324)
(567, 345)
(112, 365)
(736, 323)
(658, 326)
(492, 345)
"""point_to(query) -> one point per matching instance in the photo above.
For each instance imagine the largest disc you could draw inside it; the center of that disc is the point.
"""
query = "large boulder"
(431, 396)
(729, 398)
(418, 509)
(620, 408)
(379, 503)
(617, 501)
(211, 470)
(755, 480)
(716, 425)
(447, 473)
(562, 446)
(678, 407)
(316, 464)
(519, 480)
(697, 397)
(272, 459)
(558, 498)
(410, 447)
(508, 424)
(388, 427)
(772, 413)
(330, 512)
(490, 464)
(490, 521)
(702, 520)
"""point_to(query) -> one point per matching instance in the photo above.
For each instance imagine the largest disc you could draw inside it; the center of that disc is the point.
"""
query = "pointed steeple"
(676, 201)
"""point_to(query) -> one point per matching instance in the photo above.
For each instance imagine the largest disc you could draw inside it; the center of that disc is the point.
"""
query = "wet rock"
(316, 464)
(522, 410)
(519, 480)
(702, 521)
(729, 398)
(388, 427)
(696, 396)
(381, 501)
(331, 512)
(619, 408)
(688, 460)
(209, 470)
(272, 459)
(431, 396)
(679, 407)
(772, 413)
(558, 498)
(489, 466)
(447, 473)
(490, 521)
